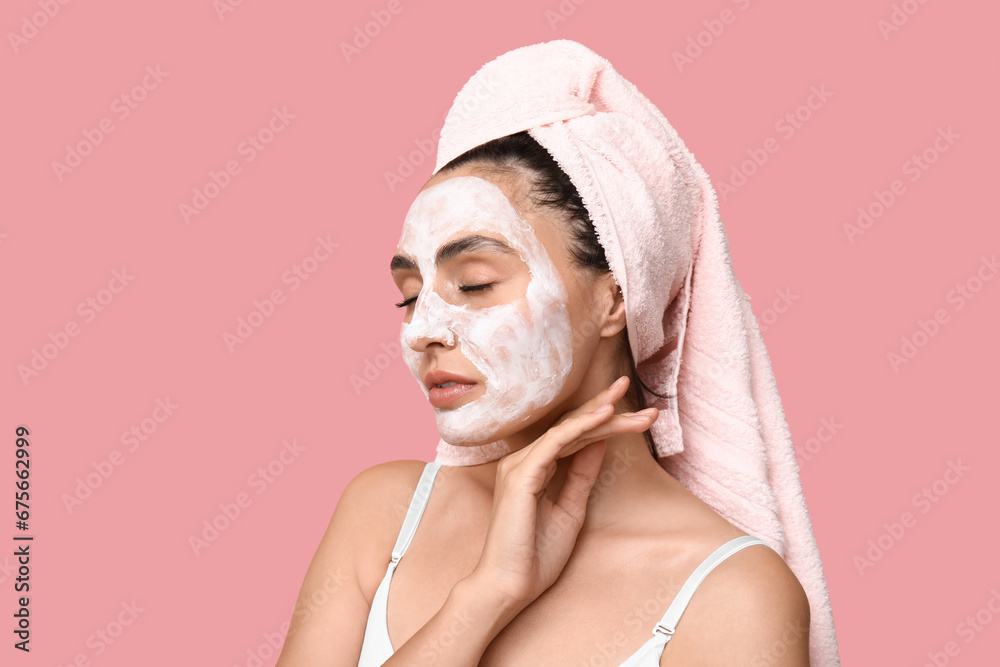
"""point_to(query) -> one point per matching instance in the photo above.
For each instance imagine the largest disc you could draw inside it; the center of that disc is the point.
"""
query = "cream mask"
(522, 348)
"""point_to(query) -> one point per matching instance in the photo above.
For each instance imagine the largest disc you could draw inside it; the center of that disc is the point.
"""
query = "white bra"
(377, 648)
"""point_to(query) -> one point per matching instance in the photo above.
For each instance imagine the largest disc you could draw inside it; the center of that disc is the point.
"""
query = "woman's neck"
(629, 478)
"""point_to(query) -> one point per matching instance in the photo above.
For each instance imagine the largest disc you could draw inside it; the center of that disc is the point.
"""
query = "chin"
(471, 444)
(464, 438)
(475, 428)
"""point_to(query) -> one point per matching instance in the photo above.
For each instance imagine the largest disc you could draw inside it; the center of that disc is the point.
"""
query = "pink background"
(324, 175)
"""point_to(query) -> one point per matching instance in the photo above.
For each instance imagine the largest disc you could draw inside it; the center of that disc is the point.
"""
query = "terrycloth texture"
(722, 433)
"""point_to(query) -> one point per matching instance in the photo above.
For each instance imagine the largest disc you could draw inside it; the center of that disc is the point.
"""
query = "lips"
(457, 386)
(431, 380)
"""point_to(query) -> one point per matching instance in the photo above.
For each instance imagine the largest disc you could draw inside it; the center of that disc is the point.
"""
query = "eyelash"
(463, 288)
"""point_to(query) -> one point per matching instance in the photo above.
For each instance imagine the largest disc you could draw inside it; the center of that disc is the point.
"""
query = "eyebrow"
(450, 250)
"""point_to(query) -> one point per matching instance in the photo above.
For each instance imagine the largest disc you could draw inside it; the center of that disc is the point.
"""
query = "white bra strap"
(416, 510)
(668, 624)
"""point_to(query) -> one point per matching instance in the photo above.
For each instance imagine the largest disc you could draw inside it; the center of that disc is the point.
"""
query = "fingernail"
(617, 383)
(642, 414)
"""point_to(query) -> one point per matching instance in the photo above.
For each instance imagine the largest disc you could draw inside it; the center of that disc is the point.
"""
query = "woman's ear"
(612, 305)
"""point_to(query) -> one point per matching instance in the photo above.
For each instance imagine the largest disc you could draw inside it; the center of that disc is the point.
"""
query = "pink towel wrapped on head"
(722, 431)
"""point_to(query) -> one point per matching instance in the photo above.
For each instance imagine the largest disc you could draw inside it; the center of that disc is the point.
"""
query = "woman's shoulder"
(753, 593)
(758, 572)
(380, 495)
(374, 504)
(761, 579)
(756, 596)
(384, 481)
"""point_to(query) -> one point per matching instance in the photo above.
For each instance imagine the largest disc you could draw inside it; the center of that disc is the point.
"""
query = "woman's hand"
(530, 537)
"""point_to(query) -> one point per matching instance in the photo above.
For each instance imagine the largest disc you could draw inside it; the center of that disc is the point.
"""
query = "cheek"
(526, 342)
(583, 336)
(496, 338)
(582, 329)
(557, 333)
(506, 323)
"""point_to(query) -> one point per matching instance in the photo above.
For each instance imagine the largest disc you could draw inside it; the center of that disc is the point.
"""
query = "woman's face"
(491, 308)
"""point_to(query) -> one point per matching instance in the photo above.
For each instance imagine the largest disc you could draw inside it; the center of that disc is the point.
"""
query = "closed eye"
(462, 288)
(475, 288)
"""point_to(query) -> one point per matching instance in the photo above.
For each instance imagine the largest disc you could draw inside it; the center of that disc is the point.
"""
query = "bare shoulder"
(374, 487)
(750, 609)
(373, 506)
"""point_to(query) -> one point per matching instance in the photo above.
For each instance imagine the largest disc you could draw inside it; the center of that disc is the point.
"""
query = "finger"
(568, 427)
(560, 521)
(619, 423)
(630, 422)
(550, 446)
(609, 395)
(580, 478)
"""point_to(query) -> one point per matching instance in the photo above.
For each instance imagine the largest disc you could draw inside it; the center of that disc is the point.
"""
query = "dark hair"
(519, 155)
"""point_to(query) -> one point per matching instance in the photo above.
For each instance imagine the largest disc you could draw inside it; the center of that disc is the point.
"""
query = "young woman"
(573, 548)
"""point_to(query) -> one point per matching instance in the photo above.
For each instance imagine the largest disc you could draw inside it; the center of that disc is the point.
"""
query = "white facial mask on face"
(523, 349)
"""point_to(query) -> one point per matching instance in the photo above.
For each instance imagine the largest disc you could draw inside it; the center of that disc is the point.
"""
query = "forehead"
(461, 204)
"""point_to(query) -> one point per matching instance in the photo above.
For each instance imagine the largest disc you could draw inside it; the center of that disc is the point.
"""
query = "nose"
(431, 323)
